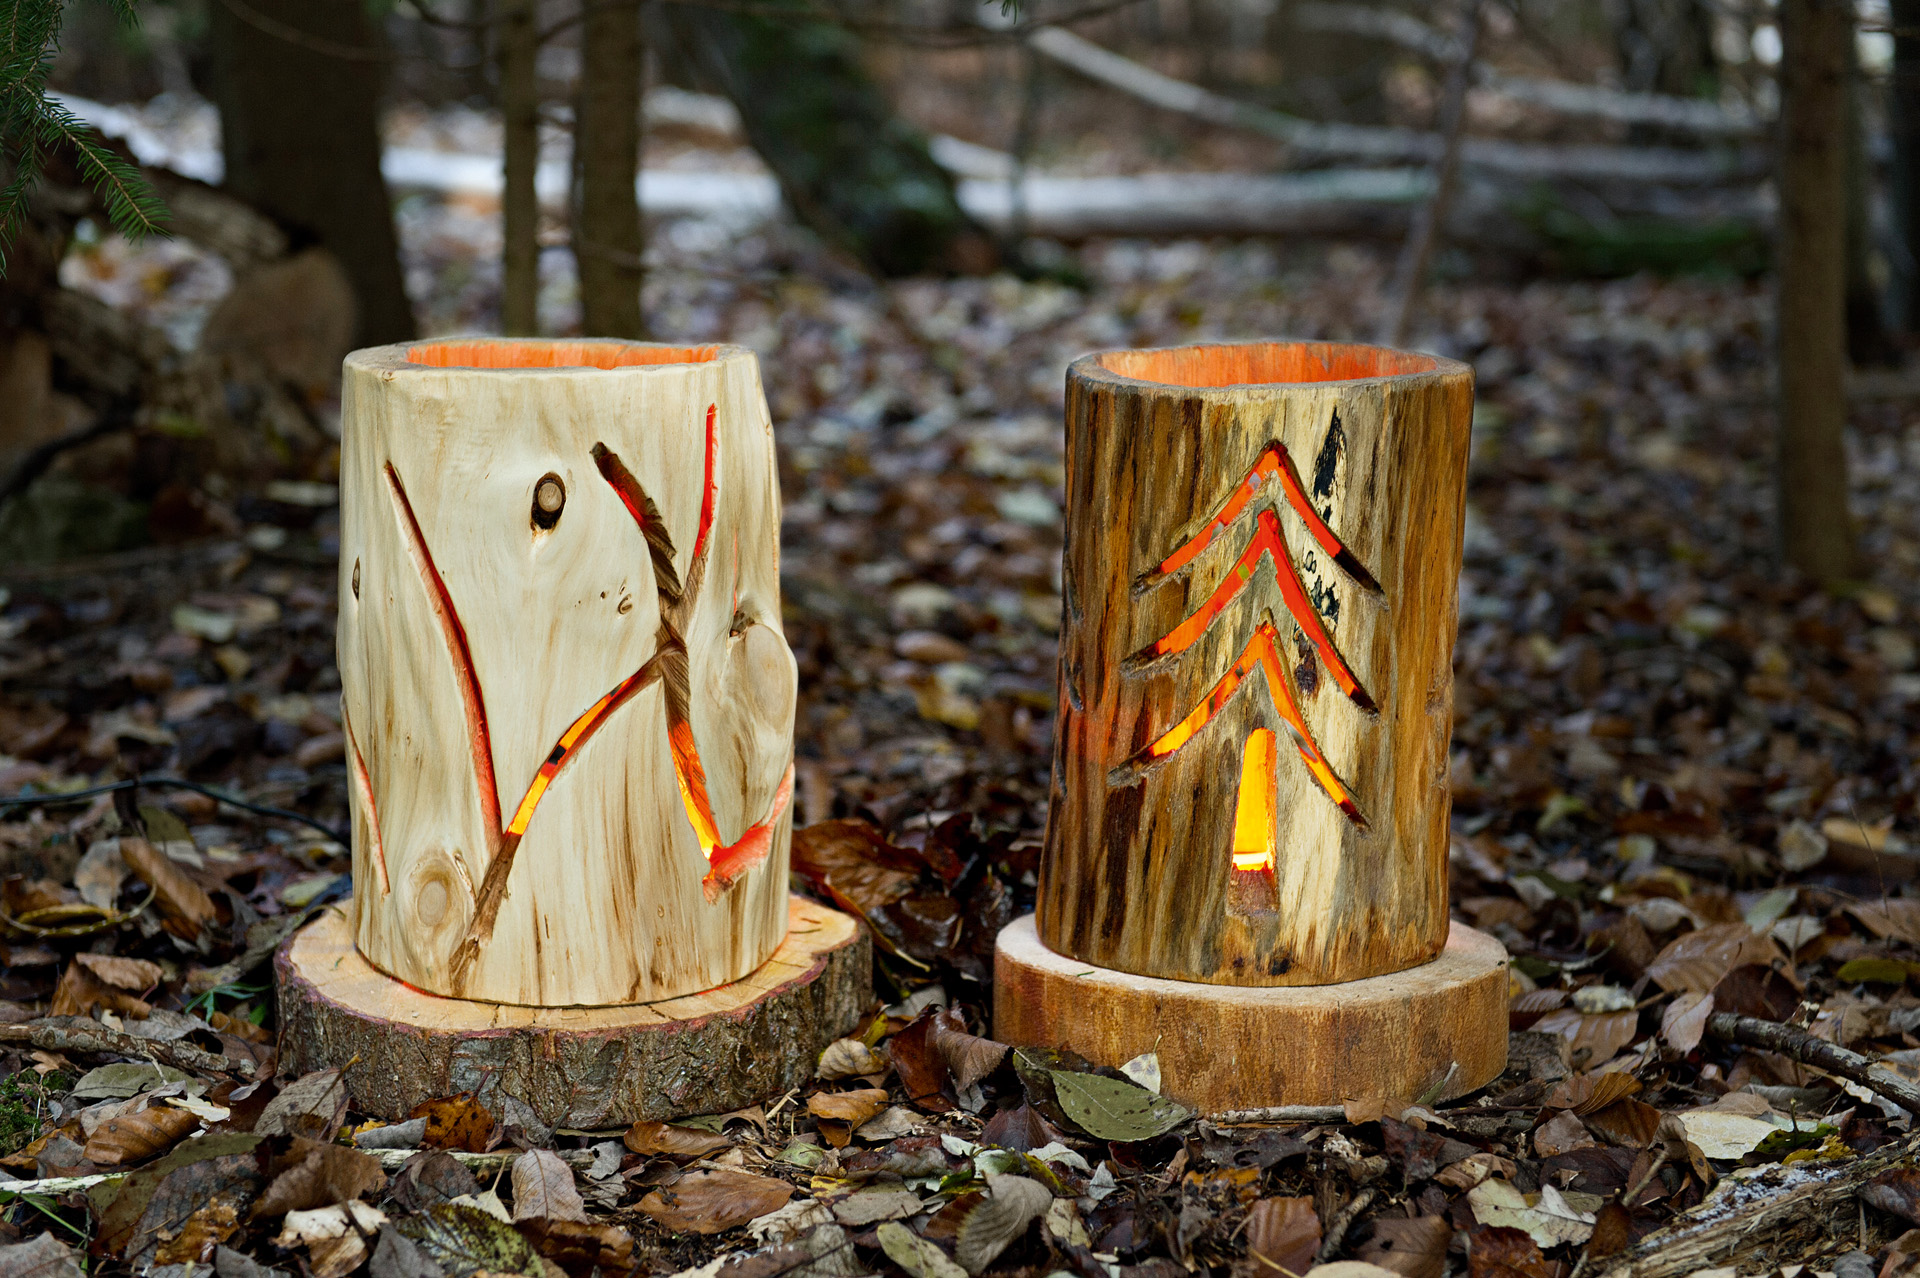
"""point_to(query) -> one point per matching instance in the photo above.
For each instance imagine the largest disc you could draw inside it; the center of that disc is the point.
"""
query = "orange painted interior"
(1264, 363)
(1253, 816)
(508, 353)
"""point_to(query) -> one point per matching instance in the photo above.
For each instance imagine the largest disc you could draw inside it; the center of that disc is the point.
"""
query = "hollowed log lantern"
(568, 705)
(1250, 803)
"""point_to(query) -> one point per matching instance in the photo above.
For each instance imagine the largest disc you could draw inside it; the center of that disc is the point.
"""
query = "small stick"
(1281, 1114)
(1751, 1031)
(98, 1038)
(1341, 1222)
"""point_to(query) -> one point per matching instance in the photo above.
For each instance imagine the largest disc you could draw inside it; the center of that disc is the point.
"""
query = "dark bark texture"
(298, 84)
(607, 236)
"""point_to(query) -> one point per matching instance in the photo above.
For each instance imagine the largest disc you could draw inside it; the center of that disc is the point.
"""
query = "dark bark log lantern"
(568, 704)
(1246, 854)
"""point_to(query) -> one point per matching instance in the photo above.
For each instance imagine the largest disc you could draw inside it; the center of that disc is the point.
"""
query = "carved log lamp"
(1246, 853)
(569, 713)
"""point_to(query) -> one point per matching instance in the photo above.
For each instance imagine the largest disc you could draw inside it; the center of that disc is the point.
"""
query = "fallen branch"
(34, 464)
(479, 1164)
(70, 1034)
(1380, 144)
(1343, 1221)
(1281, 1114)
(1801, 1046)
(1790, 1211)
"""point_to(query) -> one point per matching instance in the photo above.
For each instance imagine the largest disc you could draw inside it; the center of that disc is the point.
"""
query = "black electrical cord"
(52, 799)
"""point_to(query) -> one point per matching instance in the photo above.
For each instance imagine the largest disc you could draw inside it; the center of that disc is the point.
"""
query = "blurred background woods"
(1677, 239)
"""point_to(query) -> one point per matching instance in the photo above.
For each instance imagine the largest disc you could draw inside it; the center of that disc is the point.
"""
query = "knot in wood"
(549, 496)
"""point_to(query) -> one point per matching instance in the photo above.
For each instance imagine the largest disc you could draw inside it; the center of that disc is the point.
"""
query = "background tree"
(1903, 119)
(607, 237)
(1816, 530)
(298, 84)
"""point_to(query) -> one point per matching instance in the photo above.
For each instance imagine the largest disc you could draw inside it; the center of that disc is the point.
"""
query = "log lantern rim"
(525, 354)
(1226, 366)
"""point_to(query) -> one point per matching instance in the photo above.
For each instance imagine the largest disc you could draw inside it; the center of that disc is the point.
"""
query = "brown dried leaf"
(856, 859)
(543, 1189)
(1896, 917)
(1414, 1248)
(312, 1106)
(1612, 1232)
(1591, 1038)
(43, 1257)
(456, 1122)
(81, 993)
(707, 1202)
(1502, 1252)
(1698, 959)
(312, 1174)
(968, 1058)
(1629, 1123)
(1284, 1232)
(1010, 1206)
(134, 1138)
(1559, 1134)
(1684, 1023)
(649, 1137)
(1585, 1093)
(133, 975)
(840, 1112)
(848, 1058)
(1896, 1192)
(185, 908)
(1753, 990)
(922, 1070)
(581, 1246)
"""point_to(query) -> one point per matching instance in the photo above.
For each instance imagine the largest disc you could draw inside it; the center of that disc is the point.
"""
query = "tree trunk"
(853, 171)
(607, 237)
(1867, 339)
(298, 83)
(568, 701)
(1903, 111)
(520, 147)
(1816, 530)
(1263, 543)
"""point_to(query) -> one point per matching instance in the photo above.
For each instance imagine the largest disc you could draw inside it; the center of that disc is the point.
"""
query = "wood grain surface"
(1251, 767)
(568, 698)
(1225, 1048)
(597, 1067)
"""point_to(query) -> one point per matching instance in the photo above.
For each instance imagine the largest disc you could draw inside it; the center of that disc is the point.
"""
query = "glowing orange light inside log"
(1267, 542)
(1253, 823)
(1274, 462)
(572, 739)
(1262, 653)
(710, 489)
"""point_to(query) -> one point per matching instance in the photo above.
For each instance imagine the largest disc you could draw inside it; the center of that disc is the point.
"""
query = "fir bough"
(33, 126)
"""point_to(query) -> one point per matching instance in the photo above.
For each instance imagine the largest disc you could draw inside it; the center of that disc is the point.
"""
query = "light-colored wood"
(570, 730)
(594, 1067)
(1262, 552)
(1225, 1048)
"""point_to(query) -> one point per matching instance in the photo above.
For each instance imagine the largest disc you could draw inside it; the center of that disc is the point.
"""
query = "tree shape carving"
(668, 666)
(1253, 836)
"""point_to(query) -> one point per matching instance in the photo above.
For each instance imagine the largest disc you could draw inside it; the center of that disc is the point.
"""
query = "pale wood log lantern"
(1246, 854)
(568, 703)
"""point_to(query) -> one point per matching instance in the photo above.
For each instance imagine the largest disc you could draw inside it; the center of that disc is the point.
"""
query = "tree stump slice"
(584, 1067)
(1226, 1047)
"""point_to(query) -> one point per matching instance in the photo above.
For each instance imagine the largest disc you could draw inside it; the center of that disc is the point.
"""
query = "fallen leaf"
(184, 906)
(1144, 1069)
(543, 1187)
(41, 1257)
(840, 1112)
(312, 1174)
(848, 1058)
(183, 1204)
(922, 1070)
(134, 1138)
(1698, 959)
(1284, 1232)
(1415, 1248)
(1897, 1192)
(919, 1257)
(968, 1057)
(1684, 1023)
(429, 1178)
(456, 1122)
(133, 975)
(1723, 1135)
(1559, 1134)
(81, 993)
(706, 1202)
(1473, 1169)
(397, 1256)
(856, 859)
(1585, 1093)
(465, 1240)
(1897, 917)
(649, 1137)
(1504, 1252)
(118, 1082)
(890, 1124)
(870, 1206)
(1549, 1221)
(1114, 1109)
(1871, 971)
(312, 1106)
(1591, 1039)
(1629, 1123)
(581, 1246)
(1004, 1212)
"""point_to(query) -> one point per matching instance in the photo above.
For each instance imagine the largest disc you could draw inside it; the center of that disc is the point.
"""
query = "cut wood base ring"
(1230, 1047)
(582, 1067)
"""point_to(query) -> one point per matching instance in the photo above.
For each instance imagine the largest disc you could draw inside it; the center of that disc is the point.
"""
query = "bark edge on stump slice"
(592, 1068)
(1251, 767)
(568, 704)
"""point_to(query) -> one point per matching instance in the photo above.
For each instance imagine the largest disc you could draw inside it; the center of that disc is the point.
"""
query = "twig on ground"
(78, 1036)
(1281, 1114)
(1343, 1221)
(1750, 1031)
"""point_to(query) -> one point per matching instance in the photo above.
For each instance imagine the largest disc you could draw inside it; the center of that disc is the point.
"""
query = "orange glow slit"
(572, 739)
(1266, 542)
(1274, 462)
(1253, 823)
(1262, 653)
(708, 488)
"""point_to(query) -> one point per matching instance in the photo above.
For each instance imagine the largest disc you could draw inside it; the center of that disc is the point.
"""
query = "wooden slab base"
(585, 1067)
(1229, 1047)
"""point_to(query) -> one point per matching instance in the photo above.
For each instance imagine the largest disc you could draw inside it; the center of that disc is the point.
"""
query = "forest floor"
(1683, 783)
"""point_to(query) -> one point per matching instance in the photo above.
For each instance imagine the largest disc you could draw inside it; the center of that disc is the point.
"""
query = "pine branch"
(132, 206)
